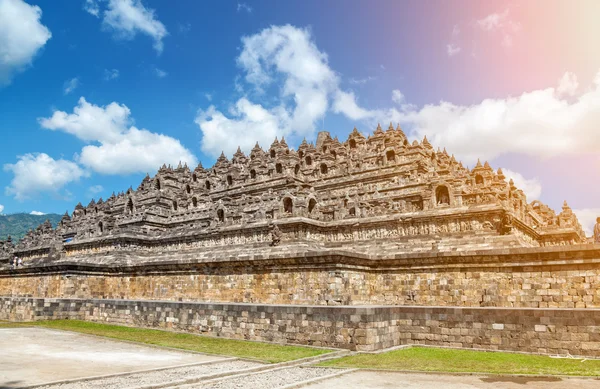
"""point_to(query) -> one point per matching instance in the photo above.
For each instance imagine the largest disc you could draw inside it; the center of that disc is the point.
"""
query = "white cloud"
(95, 189)
(21, 37)
(70, 85)
(184, 28)
(36, 213)
(345, 103)
(277, 54)
(361, 81)
(587, 218)
(250, 123)
(287, 51)
(138, 151)
(1, 208)
(537, 123)
(502, 23)
(397, 96)
(208, 96)
(119, 148)
(493, 21)
(92, 7)
(286, 57)
(452, 49)
(160, 73)
(111, 74)
(568, 84)
(37, 173)
(531, 187)
(244, 7)
(127, 18)
(90, 122)
(455, 30)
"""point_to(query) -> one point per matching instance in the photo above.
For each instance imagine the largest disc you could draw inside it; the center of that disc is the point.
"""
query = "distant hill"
(17, 224)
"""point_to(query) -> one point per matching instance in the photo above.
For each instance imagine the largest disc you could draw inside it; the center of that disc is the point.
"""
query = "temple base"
(545, 331)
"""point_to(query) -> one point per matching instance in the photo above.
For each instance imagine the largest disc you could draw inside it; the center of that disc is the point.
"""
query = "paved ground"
(380, 380)
(34, 356)
(31, 356)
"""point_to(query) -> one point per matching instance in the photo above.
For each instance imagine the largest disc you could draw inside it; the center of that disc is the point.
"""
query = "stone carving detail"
(597, 231)
(386, 185)
(275, 236)
(6, 248)
(507, 226)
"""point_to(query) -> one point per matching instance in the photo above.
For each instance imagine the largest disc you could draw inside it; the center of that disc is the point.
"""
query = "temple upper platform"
(381, 191)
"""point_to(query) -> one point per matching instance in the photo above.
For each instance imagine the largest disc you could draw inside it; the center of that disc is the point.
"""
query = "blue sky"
(94, 94)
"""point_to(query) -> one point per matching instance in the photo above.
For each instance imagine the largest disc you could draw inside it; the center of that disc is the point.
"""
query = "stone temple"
(364, 244)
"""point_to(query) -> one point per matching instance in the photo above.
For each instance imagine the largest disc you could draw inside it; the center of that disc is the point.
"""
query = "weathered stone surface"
(371, 243)
(355, 328)
(364, 189)
(548, 277)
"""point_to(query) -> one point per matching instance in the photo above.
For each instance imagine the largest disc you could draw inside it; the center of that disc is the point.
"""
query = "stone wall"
(542, 288)
(548, 331)
(525, 278)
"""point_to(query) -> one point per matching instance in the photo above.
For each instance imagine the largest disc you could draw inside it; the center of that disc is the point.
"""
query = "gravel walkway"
(161, 377)
(269, 379)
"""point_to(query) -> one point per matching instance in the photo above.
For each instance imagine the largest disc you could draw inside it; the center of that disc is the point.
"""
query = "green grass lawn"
(8, 324)
(467, 361)
(265, 352)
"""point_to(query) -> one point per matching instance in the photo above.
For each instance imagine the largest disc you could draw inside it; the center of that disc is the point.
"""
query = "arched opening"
(334, 154)
(323, 168)
(296, 169)
(345, 203)
(308, 160)
(221, 215)
(312, 203)
(272, 153)
(324, 149)
(100, 227)
(288, 205)
(253, 174)
(278, 168)
(300, 154)
(352, 211)
(479, 180)
(352, 143)
(188, 189)
(442, 196)
(157, 184)
(207, 185)
(194, 177)
(174, 205)
(96, 210)
(194, 202)
(84, 212)
(130, 206)
(390, 155)
(229, 180)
